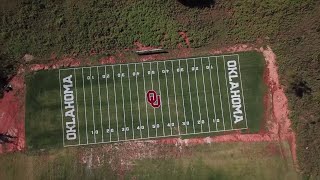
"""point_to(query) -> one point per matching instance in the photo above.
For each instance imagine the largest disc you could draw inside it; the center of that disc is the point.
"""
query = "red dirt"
(108, 60)
(54, 64)
(185, 37)
(141, 46)
(12, 115)
(278, 126)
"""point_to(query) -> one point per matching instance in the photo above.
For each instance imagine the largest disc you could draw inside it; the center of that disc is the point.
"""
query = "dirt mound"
(141, 47)
(54, 64)
(108, 60)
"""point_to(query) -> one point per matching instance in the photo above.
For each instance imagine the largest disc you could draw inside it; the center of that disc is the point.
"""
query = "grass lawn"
(261, 160)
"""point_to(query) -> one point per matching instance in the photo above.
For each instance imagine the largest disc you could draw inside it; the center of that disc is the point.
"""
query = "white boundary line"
(102, 132)
(144, 85)
(161, 100)
(244, 105)
(175, 97)
(190, 95)
(154, 110)
(156, 137)
(115, 102)
(130, 100)
(195, 76)
(212, 93)
(225, 76)
(105, 73)
(135, 69)
(93, 119)
(165, 67)
(85, 105)
(62, 121)
(152, 84)
(75, 87)
(148, 61)
(184, 109)
(217, 68)
(205, 95)
(124, 111)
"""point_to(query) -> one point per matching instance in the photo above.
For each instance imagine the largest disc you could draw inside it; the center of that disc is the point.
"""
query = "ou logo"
(153, 99)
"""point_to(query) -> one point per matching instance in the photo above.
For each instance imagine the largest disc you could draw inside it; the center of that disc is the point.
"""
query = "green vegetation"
(8, 67)
(218, 161)
(291, 27)
(123, 103)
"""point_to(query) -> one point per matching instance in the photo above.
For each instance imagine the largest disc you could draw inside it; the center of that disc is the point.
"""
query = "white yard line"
(93, 120)
(154, 110)
(244, 105)
(75, 82)
(85, 105)
(175, 96)
(184, 109)
(137, 85)
(61, 110)
(194, 130)
(105, 73)
(217, 68)
(115, 101)
(225, 76)
(84, 98)
(213, 99)
(124, 111)
(102, 132)
(205, 95)
(130, 100)
(144, 85)
(161, 100)
(165, 67)
(195, 76)
(169, 60)
(150, 138)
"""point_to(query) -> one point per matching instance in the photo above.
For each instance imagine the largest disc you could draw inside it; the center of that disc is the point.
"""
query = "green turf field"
(102, 104)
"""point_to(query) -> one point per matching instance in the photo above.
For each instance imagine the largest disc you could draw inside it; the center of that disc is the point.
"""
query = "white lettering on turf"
(235, 91)
(69, 107)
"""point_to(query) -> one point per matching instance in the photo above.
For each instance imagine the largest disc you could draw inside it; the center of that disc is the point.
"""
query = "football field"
(145, 100)
(112, 103)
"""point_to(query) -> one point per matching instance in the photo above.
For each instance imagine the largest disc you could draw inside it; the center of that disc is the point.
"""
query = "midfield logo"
(153, 99)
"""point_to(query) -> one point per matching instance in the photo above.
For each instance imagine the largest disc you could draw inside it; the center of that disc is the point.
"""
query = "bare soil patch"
(12, 114)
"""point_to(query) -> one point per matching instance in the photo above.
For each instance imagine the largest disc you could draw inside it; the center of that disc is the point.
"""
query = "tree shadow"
(300, 88)
(6, 138)
(198, 3)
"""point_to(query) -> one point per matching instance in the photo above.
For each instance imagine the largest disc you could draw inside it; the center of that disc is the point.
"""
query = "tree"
(300, 88)
(8, 68)
(198, 3)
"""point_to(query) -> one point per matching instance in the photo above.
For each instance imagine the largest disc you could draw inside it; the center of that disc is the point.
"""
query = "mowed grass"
(222, 161)
(259, 160)
(192, 102)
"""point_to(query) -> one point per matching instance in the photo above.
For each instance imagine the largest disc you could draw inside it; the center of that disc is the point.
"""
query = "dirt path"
(276, 120)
